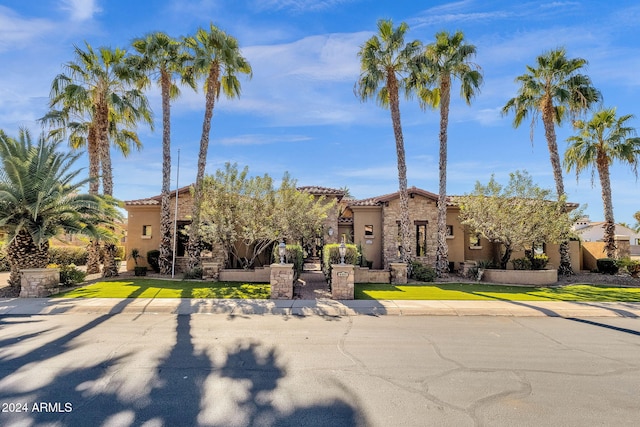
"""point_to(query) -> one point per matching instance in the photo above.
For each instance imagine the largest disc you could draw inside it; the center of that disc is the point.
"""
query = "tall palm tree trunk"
(609, 223)
(394, 104)
(93, 250)
(548, 115)
(442, 256)
(165, 208)
(22, 253)
(194, 247)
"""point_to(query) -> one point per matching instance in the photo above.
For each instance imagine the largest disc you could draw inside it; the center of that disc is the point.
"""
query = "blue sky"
(299, 112)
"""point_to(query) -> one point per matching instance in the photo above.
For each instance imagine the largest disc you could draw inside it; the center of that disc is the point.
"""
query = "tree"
(556, 90)
(247, 215)
(163, 57)
(636, 216)
(447, 59)
(517, 216)
(386, 62)
(39, 199)
(94, 104)
(218, 57)
(599, 142)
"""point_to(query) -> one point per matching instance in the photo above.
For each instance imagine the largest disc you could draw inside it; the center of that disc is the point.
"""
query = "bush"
(69, 274)
(539, 262)
(194, 273)
(293, 255)
(331, 255)
(153, 259)
(607, 265)
(521, 264)
(4, 261)
(67, 255)
(631, 266)
(421, 272)
(120, 252)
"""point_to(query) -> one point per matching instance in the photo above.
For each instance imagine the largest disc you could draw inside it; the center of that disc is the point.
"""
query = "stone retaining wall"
(366, 275)
(257, 275)
(521, 277)
(39, 282)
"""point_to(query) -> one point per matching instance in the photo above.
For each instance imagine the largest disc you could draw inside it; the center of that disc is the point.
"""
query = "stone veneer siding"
(420, 209)
(282, 281)
(39, 282)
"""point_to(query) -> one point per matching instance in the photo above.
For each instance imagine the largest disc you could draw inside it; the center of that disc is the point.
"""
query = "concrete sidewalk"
(320, 307)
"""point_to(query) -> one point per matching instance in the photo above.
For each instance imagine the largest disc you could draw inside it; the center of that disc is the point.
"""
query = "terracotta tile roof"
(322, 191)
(155, 200)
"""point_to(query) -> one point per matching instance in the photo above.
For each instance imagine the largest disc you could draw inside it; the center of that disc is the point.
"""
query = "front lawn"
(478, 291)
(155, 288)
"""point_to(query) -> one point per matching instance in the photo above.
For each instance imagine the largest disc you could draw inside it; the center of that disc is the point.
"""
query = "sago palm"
(599, 142)
(556, 90)
(447, 59)
(163, 58)
(217, 56)
(385, 63)
(40, 198)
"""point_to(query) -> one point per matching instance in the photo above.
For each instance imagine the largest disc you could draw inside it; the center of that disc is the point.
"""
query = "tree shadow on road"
(183, 388)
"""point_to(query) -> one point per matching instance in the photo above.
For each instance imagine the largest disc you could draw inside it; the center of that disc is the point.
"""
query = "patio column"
(342, 280)
(282, 281)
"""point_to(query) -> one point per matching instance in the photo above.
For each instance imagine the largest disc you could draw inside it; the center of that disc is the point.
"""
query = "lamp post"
(282, 250)
(342, 249)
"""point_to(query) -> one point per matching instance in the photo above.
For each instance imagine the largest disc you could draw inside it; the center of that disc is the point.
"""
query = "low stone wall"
(39, 282)
(521, 277)
(398, 273)
(366, 275)
(257, 275)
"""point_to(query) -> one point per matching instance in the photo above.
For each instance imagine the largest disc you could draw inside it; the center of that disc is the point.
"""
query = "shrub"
(4, 261)
(153, 259)
(70, 275)
(194, 273)
(421, 272)
(293, 255)
(607, 265)
(521, 264)
(120, 252)
(331, 255)
(631, 266)
(67, 255)
(539, 262)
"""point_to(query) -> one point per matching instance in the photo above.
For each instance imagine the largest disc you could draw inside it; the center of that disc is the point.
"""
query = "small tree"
(517, 216)
(247, 215)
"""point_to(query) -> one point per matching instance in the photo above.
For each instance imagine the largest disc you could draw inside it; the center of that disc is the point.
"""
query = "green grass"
(468, 291)
(154, 288)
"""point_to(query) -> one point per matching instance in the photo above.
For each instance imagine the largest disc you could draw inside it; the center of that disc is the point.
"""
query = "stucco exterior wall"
(371, 245)
(139, 216)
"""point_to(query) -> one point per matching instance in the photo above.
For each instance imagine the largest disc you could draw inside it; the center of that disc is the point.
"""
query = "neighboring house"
(592, 231)
(371, 223)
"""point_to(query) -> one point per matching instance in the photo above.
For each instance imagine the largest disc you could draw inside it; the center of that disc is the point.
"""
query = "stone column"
(39, 282)
(623, 247)
(342, 279)
(282, 281)
(211, 270)
(398, 273)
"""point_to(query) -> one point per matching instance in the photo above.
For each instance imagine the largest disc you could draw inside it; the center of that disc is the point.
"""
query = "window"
(449, 231)
(146, 231)
(368, 231)
(474, 241)
(421, 239)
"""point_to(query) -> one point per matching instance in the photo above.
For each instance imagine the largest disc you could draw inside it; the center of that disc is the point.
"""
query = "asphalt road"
(220, 370)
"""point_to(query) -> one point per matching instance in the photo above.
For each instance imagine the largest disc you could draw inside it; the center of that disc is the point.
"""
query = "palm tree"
(447, 59)
(385, 63)
(556, 90)
(217, 56)
(163, 57)
(599, 142)
(97, 106)
(39, 199)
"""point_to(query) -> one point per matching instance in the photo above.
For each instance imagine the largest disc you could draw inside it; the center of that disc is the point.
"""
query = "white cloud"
(16, 31)
(256, 139)
(298, 5)
(80, 10)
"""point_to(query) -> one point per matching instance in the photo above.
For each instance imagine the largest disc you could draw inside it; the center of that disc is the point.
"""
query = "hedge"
(67, 255)
(293, 255)
(331, 255)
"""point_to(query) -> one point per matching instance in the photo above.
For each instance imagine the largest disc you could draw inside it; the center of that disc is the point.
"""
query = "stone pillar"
(342, 279)
(211, 270)
(623, 246)
(282, 281)
(39, 282)
(398, 273)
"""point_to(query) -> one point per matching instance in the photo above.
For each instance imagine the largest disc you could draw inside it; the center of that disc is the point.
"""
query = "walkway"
(311, 285)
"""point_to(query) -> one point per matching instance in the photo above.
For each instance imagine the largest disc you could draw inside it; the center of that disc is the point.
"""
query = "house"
(371, 223)
(593, 231)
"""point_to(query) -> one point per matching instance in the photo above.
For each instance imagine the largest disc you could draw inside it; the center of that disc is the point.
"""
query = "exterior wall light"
(342, 249)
